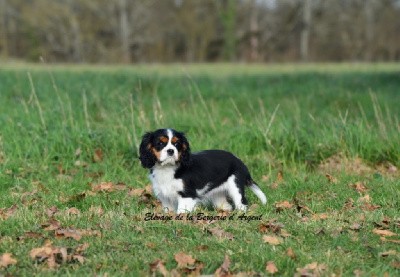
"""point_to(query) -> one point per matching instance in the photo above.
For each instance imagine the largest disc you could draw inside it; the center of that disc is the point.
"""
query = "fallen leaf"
(68, 233)
(313, 269)
(331, 179)
(136, 192)
(390, 240)
(98, 155)
(97, 210)
(51, 225)
(355, 227)
(103, 187)
(7, 212)
(385, 233)
(270, 226)
(33, 235)
(359, 186)
(320, 216)
(80, 163)
(395, 264)
(78, 152)
(54, 256)
(183, 259)
(202, 247)
(158, 266)
(283, 205)
(51, 211)
(6, 260)
(223, 270)
(388, 253)
(279, 177)
(220, 234)
(290, 253)
(73, 211)
(271, 267)
(272, 240)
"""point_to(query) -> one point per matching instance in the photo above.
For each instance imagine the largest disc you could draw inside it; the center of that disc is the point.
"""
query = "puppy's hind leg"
(186, 205)
(236, 193)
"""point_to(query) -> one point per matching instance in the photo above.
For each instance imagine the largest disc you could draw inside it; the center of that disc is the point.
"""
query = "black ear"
(185, 154)
(147, 158)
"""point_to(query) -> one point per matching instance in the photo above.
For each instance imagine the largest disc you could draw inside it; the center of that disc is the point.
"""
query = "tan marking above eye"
(174, 140)
(164, 139)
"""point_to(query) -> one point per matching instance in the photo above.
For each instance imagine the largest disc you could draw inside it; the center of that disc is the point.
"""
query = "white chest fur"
(165, 186)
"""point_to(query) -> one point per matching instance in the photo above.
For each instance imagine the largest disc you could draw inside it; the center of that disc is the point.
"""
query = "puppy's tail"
(257, 191)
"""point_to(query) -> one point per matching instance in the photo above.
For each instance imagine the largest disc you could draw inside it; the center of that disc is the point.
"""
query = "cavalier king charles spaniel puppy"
(181, 180)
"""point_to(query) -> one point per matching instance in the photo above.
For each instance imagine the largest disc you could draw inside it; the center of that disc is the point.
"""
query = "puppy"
(182, 180)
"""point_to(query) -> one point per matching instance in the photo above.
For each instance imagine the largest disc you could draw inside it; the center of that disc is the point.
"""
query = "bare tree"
(305, 33)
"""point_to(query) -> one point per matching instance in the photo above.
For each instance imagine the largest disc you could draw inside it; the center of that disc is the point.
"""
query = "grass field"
(322, 141)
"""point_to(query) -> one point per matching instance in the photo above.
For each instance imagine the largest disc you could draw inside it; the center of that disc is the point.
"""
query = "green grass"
(288, 118)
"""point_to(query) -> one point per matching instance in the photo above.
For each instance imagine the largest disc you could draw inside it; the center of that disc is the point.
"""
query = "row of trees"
(200, 30)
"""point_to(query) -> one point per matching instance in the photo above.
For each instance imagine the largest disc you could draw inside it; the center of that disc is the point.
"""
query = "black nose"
(170, 152)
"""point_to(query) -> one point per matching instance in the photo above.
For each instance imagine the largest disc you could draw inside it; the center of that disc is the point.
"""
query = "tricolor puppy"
(181, 180)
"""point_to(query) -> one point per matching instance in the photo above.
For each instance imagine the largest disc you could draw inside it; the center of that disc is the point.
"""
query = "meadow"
(322, 141)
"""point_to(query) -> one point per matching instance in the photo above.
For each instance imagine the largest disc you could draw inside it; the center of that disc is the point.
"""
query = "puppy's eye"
(176, 144)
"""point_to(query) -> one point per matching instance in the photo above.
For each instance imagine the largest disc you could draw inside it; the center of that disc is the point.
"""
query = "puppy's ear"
(147, 158)
(185, 154)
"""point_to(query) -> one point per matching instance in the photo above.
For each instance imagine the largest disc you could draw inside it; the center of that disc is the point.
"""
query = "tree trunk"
(369, 29)
(4, 31)
(228, 21)
(305, 33)
(254, 54)
(124, 31)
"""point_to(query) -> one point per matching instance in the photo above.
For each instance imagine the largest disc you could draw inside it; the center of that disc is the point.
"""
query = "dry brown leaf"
(313, 269)
(202, 247)
(272, 240)
(271, 267)
(223, 270)
(29, 235)
(6, 260)
(355, 227)
(103, 187)
(331, 179)
(388, 253)
(80, 163)
(283, 205)
(51, 211)
(395, 264)
(359, 186)
(279, 177)
(136, 192)
(385, 233)
(158, 266)
(96, 210)
(54, 256)
(320, 216)
(270, 226)
(290, 253)
(97, 155)
(73, 211)
(78, 152)
(390, 240)
(68, 233)
(183, 259)
(220, 234)
(7, 212)
(51, 225)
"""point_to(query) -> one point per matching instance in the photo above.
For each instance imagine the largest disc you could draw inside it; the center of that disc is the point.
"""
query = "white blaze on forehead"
(170, 134)
(164, 157)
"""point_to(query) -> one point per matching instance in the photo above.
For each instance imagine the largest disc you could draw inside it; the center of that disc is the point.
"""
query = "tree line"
(138, 31)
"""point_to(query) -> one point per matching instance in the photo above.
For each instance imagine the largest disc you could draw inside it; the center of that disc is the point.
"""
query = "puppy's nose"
(170, 152)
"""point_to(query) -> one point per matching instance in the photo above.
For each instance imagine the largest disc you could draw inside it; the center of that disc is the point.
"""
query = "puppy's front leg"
(186, 205)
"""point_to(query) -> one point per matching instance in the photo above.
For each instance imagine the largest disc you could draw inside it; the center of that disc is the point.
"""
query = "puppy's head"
(164, 147)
